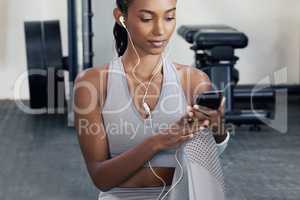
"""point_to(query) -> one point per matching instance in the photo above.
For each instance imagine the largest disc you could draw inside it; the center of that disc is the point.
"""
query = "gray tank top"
(124, 125)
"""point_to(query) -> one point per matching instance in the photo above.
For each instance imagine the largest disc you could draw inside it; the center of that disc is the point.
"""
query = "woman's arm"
(195, 82)
(105, 173)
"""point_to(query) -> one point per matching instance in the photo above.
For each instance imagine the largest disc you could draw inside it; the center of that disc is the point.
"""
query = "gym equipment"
(214, 47)
(188, 33)
(73, 45)
(88, 35)
(45, 65)
(35, 60)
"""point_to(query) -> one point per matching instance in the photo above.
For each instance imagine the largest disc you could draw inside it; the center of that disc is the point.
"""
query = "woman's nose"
(158, 28)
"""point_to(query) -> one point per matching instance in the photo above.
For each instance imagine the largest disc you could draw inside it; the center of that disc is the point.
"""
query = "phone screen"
(211, 99)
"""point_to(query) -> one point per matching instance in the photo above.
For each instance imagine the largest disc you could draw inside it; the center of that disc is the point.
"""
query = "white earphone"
(122, 21)
(147, 110)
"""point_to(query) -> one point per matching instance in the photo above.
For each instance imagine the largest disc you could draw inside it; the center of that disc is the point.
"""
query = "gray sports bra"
(124, 125)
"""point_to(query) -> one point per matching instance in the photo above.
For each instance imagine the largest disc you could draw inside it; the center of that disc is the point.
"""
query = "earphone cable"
(147, 109)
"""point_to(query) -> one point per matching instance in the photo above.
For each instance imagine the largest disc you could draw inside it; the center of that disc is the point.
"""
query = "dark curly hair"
(120, 32)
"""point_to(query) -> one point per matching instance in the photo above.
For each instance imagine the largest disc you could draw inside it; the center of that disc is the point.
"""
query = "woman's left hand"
(214, 120)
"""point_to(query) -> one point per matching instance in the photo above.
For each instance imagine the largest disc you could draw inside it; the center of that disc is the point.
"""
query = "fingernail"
(192, 135)
(196, 107)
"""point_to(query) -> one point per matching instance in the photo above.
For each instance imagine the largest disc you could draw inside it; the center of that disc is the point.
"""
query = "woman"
(130, 151)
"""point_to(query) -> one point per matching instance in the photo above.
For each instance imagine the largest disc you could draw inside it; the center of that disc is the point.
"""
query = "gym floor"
(41, 159)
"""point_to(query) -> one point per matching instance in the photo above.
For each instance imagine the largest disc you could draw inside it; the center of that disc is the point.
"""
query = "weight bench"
(214, 47)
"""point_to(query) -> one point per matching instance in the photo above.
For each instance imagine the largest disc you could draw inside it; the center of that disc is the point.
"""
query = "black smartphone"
(211, 99)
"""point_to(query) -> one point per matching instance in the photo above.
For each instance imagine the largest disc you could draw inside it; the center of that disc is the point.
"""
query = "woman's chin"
(156, 51)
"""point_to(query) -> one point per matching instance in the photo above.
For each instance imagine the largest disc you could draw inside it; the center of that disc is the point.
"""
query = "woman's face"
(151, 24)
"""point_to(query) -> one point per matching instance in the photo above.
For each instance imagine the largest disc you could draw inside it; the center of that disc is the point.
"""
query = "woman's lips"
(157, 44)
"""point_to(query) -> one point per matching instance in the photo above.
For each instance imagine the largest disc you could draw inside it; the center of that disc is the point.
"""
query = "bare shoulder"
(93, 79)
(194, 81)
(93, 74)
(191, 71)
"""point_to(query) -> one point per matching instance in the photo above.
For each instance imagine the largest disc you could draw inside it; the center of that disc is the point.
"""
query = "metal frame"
(87, 37)
(72, 39)
(73, 55)
(88, 34)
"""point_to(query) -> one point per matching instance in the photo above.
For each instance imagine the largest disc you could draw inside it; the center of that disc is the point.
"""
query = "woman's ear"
(117, 14)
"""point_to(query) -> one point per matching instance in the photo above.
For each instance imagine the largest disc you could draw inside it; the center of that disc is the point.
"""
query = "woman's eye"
(149, 19)
(146, 20)
(170, 18)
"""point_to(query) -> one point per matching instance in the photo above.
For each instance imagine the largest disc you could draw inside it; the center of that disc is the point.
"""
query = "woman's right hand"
(178, 132)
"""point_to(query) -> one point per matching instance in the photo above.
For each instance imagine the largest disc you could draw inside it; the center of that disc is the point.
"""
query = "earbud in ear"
(122, 21)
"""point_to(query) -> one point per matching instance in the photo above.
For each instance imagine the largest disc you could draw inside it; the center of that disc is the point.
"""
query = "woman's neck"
(147, 67)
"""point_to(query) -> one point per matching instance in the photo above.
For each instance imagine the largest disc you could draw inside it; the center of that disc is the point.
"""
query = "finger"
(189, 108)
(213, 114)
(222, 106)
(190, 113)
(223, 101)
(189, 129)
(197, 108)
(201, 115)
(206, 123)
(187, 118)
(202, 108)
